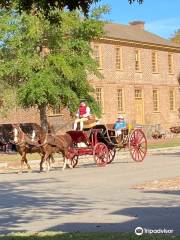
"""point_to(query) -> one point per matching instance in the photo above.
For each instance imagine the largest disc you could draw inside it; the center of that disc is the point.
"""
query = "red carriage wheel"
(112, 153)
(101, 154)
(74, 161)
(138, 145)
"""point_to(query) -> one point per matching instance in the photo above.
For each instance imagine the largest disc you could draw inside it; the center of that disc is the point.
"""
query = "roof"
(136, 34)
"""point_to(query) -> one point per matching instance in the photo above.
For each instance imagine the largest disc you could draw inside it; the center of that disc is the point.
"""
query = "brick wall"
(18, 115)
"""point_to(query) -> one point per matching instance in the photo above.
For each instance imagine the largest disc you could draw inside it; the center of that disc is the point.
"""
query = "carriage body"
(87, 142)
(102, 142)
(134, 140)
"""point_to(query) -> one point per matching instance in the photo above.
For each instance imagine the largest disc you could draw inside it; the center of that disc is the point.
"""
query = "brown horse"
(26, 145)
(51, 143)
(46, 145)
(58, 144)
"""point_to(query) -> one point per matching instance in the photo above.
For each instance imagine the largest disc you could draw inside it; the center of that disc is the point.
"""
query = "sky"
(161, 17)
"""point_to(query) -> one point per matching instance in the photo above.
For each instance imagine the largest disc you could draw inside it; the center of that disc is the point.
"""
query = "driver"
(82, 115)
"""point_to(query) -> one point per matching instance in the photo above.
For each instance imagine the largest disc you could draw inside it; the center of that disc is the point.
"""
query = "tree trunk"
(43, 117)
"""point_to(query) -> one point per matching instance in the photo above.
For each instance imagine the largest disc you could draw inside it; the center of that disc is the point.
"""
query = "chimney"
(138, 24)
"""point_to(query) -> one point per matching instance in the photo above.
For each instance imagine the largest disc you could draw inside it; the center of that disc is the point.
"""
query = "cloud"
(164, 27)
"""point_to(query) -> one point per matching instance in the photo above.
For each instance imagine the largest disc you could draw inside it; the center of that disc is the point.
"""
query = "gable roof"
(135, 34)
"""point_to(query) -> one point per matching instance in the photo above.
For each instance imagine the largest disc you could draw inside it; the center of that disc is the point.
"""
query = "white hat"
(82, 103)
(121, 117)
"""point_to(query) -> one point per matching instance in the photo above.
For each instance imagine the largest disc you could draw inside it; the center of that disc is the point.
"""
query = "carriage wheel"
(112, 153)
(74, 161)
(101, 154)
(138, 145)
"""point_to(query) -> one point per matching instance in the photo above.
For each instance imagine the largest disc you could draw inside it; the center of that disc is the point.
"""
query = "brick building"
(140, 72)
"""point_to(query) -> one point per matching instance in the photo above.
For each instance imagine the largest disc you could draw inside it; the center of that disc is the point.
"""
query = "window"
(54, 110)
(172, 99)
(120, 100)
(99, 97)
(155, 100)
(137, 61)
(138, 94)
(170, 63)
(154, 62)
(118, 51)
(97, 55)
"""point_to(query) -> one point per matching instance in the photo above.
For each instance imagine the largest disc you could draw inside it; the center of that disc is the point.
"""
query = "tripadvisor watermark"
(140, 231)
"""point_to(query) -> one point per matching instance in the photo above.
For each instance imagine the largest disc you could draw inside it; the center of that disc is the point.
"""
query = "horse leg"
(48, 163)
(22, 164)
(43, 159)
(64, 160)
(26, 161)
(22, 161)
(52, 158)
(64, 164)
(28, 166)
(67, 161)
(41, 163)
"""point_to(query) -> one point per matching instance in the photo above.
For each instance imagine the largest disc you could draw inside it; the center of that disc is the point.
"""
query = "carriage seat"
(91, 122)
(79, 137)
(111, 129)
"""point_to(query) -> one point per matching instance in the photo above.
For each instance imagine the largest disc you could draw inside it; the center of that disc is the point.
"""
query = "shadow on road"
(19, 206)
(145, 217)
(168, 154)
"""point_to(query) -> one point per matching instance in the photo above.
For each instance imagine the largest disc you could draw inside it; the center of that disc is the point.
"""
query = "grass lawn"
(164, 143)
(16, 157)
(86, 236)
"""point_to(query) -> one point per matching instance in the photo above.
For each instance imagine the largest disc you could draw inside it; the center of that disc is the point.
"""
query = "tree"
(48, 64)
(46, 5)
(176, 39)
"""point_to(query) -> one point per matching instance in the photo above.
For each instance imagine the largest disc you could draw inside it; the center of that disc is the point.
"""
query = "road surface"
(90, 198)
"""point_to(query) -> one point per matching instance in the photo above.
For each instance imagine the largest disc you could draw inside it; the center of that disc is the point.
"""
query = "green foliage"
(49, 64)
(47, 5)
(176, 39)
(8, 101)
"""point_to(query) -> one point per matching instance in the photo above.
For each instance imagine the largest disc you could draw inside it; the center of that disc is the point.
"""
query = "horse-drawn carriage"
(102, 143)
(99, 141)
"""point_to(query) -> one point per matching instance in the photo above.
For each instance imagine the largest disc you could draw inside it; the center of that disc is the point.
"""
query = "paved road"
(89, 198)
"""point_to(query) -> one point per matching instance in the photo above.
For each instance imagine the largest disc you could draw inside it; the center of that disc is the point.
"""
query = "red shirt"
(82, 110)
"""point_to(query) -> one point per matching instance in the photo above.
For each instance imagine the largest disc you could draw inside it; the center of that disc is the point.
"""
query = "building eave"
(138, 44)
